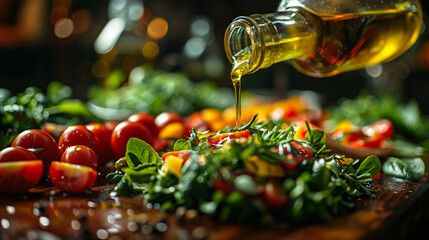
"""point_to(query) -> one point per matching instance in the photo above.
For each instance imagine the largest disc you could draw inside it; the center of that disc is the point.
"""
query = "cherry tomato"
(172, 130)
(303, 154)
(274, 196)
(161, 144)
(41, 144)
(183, 154)
(55, 130)
(72, 178)
(228, 137)
(223, 186)
(102, 135)
(77, 135)
(20, 176)
(197, 122)
(126, 130)
(14, 154)
(111, 125)
(146, 120)
(166, 118)
(80, 155)
(383, 128)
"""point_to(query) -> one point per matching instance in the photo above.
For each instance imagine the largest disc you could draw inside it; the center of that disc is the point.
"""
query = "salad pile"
(258, 172)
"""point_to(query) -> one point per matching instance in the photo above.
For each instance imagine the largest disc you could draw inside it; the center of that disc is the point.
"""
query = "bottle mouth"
(243, 43)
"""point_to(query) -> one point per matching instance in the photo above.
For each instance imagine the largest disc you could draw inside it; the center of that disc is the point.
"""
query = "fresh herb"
(216, 182)
(32, 108)
(406, 168)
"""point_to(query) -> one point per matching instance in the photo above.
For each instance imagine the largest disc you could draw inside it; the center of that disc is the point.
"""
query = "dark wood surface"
(400, 211)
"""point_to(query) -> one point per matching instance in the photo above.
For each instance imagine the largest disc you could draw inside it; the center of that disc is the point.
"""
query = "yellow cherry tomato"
(172, 130)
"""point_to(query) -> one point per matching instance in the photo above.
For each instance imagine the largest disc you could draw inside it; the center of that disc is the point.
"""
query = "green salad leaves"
(217, 181)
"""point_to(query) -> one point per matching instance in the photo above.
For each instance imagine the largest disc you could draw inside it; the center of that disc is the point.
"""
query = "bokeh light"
(82, 20)
(63, 28)
(150, 50)
(157, 28)
(101, 68)
(194, 47)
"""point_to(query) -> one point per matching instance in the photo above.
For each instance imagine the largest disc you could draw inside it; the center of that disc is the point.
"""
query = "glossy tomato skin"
(111, 125)
(72, 178)
(102, 135)
(42, 145)
(80, 155)
(274, 197)
(14, 154)
(126, 130)
(19, 176)
(77, 135)
(165, 118)
(383, 128)
(304, 154)
(147, 120)
(222, 138)
(197, 122)
(161, 144)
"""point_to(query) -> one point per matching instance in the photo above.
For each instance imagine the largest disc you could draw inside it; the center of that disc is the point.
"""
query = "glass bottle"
(323, 38)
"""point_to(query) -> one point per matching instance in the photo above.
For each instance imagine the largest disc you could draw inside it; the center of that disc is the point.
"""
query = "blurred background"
(82, 43)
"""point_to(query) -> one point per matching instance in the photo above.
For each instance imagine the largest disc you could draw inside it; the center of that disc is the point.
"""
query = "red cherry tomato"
(80, 155)
(161, 144)
(14, 154)
(274, 196)
(126, 130)
(183, 154)
(102, 135)
(72, 178)
(228, 137)
(111, 125)
(223, 186)
(197, 122)
(166, 118)
(20, 176)
(303, 154)
(383, 128)
(77, 135)
(146, 120)
(41, 144)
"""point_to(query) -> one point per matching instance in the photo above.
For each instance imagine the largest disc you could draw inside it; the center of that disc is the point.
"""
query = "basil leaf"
(181, 144)
(407, 168)
(371, 165)
(139, 152)
(141, 173)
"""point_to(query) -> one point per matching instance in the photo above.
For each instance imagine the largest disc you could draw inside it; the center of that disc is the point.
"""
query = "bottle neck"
(258, 41)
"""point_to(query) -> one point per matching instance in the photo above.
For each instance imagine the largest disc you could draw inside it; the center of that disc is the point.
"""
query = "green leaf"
(124, 187)
(370, 165)
(141, 173)
(407, 168)
(182, 144)
(73, 107)
(139, 152)
(114, 177)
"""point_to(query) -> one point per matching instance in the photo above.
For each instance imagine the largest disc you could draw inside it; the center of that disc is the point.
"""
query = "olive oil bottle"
(322, 38)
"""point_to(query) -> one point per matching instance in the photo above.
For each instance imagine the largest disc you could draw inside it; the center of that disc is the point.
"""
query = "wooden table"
(400, 211)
